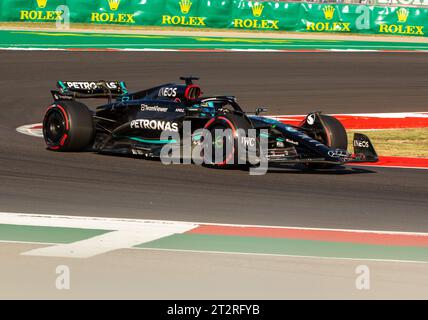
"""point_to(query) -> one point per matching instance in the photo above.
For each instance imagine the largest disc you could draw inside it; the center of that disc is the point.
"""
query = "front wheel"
(334, 136)
(68, 126)
(335, 133)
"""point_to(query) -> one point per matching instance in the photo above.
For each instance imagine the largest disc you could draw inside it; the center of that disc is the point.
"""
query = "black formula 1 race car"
(135, 123)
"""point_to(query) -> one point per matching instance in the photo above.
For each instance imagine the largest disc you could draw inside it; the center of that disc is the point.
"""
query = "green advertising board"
(231, 14)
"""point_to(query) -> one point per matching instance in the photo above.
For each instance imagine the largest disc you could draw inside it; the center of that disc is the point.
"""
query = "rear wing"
(70, 90)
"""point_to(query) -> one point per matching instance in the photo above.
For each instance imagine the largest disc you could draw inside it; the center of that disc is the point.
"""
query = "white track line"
(125, 233)
(128, 233)
(207, 50)
(107, 242)
(104, 223)
(382, 166)
(28, 130)
(281, 255)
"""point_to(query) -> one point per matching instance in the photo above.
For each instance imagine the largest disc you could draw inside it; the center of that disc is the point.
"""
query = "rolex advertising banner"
(232, 14)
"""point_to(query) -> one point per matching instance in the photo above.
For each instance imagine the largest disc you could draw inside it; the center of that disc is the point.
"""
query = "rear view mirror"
(260, 110)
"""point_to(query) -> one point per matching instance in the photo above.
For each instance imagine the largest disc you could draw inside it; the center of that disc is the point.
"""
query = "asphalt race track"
(36, 180)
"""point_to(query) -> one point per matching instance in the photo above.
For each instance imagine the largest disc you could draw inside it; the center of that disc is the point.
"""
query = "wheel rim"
(54, 127)
(219, 145)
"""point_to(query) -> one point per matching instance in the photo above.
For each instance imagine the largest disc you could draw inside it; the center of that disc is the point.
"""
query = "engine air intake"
(192, 92)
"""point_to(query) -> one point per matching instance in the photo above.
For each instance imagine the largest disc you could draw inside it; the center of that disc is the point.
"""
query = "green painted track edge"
(87, 40)
(288, 247)
(41, 234)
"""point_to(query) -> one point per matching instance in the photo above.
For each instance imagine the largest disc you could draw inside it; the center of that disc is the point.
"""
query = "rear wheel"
(226, 145)
(68, 126)
(222, 146)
